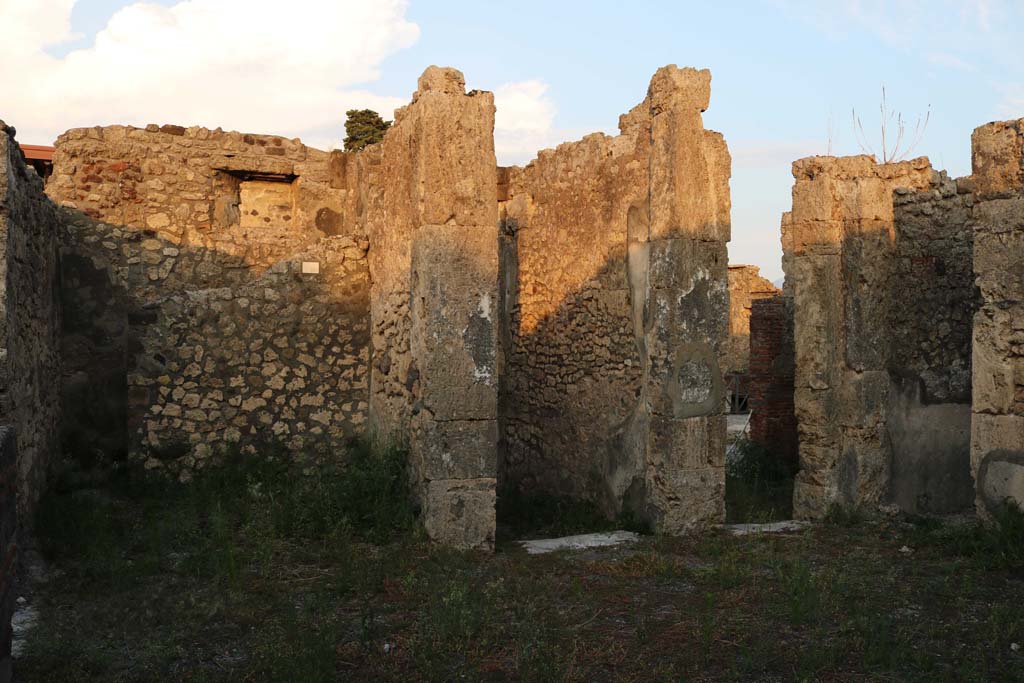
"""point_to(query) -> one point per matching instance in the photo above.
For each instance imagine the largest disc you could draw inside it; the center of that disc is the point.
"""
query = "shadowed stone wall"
(242, 288)
(219, 293)
(30, 363)
(9, 551)
(997, 427)
(883, 301)
(614, 310)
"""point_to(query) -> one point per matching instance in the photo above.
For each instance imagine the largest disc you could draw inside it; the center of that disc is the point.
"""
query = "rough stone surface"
(997, 424)
(219, 293)
(432, 216)
(226, 287)
(877, 256)
(9, 551)
(745, 287)
(614, 309)
(30, 361)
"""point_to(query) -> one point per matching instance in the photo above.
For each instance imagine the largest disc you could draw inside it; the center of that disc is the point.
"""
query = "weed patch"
(758, 485)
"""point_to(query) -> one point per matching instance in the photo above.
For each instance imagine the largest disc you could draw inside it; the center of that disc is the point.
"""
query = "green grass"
(259, 572)
(758, 485)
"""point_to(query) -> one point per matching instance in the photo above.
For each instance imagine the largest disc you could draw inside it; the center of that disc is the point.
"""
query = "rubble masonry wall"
(882, 300)
(220, 286)
(30, 363)
(615, 306)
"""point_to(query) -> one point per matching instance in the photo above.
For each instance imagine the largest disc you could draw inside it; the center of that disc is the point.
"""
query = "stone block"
(997, 151)
(674, 89)
(683, 501)
(811, 501)
(868, 198)
(999, 249)
(460, 513)
(997, 460)
(818, 330)
(689, 169)
(866, 268)
(688, 264)
(815, 201)
(818, 237)
(994, 371)
(693, 443)
(1001, 480)
(455, 172)
(818, 462)
(994, 433)
(458, 449)
(862, 474)
(454, 337)
(863, 399)
(442, 79)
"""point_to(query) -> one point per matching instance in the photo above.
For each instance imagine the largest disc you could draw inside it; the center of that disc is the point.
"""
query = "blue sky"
(780, 70)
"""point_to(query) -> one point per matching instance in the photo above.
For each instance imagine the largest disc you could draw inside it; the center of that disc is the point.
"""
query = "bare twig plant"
(895, 144)
(831, 132)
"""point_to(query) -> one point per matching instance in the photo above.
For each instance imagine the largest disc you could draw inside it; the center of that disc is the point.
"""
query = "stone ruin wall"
(573, 369)
(432, 217)
(878, 258)
(30, 315)
(614, 311)
(997, 426)
(219, 284)
(10, 554)
(745, 287)
(931, 302)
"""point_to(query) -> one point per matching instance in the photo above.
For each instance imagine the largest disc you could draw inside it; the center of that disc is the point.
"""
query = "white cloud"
(524, 122)
(902, 23)
(250, 65)
(949, 60)
(1012, 104)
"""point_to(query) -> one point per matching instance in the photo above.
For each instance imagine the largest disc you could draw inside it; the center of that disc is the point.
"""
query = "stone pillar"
(686, 308)
(839, 244)
(454, 346)
(433, 227)
(997, 424)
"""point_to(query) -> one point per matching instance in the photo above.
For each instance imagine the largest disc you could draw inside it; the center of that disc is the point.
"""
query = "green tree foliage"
(363, 127)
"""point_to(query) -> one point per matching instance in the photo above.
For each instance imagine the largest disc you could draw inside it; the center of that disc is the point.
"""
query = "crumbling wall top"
(997, 158)
(857, 167)
(443, 79)
(672, 87)
(152, 131)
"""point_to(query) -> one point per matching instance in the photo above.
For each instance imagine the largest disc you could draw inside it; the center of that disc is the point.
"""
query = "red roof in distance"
(37, 152)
